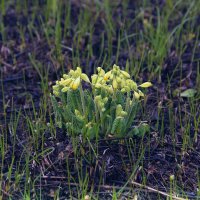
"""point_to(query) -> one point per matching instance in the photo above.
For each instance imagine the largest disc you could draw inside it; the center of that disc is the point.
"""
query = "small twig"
(108, 187)
(157, 191)
(105, 187)
(67, 48)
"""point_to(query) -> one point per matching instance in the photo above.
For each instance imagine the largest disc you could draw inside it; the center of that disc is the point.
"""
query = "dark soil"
(22, 91)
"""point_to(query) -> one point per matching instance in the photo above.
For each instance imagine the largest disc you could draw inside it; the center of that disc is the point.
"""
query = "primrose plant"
(106, 109)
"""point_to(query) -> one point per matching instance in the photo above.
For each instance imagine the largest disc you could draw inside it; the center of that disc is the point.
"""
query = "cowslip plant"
(107, 109)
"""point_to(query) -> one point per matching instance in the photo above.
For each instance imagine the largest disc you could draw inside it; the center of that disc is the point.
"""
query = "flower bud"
(171, 178)
(114, 84)
(65, 76)
(88, 125)
(101, 104)
(137, 96)
(56, 93)
(111, 76)
(133, 85)
(123, 114)
(66, 82)
(126, 75)
(123, 90)
(118, 110)
(75, 84)
(127, 88)
(101, 72)
(94, 78)
(103, 109)
(78, 71)
(97, 98)
(98, 85)
(115, 67)
(110, 89)
(118, 79)
(107, 76)
(56, 90)
(85, 78)
(105, 99)
(56, 87)
(141, 93)
(128, 81)
(123, 83)
(65, 89)
(87, 197)
(72, 72)
(146, 85)
(77, 112)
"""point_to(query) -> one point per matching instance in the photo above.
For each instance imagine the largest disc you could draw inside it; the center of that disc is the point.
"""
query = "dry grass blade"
(156, 191)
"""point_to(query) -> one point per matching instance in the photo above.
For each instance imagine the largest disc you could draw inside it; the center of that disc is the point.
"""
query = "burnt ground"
(164, 155)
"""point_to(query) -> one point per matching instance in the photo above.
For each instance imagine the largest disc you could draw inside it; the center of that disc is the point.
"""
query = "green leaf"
(188, 93)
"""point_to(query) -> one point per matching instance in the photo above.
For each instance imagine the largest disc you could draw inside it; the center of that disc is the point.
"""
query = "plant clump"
(107, 109)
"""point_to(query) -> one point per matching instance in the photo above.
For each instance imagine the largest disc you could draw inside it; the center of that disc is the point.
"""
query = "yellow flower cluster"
(100, 102)
(120, 112)
(113, 80)
(109, 107)
(117, 79)
(70, 81)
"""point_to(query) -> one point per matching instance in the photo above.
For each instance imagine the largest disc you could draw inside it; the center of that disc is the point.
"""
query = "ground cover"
(155, 41)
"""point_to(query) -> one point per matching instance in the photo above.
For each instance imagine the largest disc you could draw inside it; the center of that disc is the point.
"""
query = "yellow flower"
(109, 89)
(171, 178)
(56, 90)
(98, 85)
(123, 83)
(134, 85)
(105, 99)
(123, 114)
(118, 110)
(75, 84)
(97, 98)
(107, 76)
(137, 96)
(78, 71)
(126, 75)
(56, 87)
(65, 82)
(56, 93)
(101, 72)
(141, 93)
(72, 73)
(118, 79)
(85, 78)
(114, 84)
(94, 78)
(123, 90)
(65, 76)
(146, 85)
(65, 89)
(127, 88)
(78, 114)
